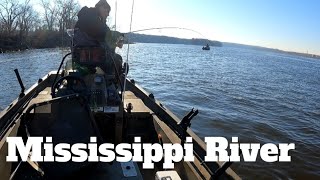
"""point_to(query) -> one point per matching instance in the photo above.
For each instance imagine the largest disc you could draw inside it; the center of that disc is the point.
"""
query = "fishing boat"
(207, 47)
(70, 107)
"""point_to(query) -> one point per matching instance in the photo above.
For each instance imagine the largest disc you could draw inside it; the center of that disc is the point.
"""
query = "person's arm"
(120, 41)
(116, 34)
(117, 38)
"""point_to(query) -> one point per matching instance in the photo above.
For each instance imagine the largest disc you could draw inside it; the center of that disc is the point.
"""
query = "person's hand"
(120, 43)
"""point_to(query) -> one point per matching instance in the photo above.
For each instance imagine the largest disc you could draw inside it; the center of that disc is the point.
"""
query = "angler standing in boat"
(92, 30)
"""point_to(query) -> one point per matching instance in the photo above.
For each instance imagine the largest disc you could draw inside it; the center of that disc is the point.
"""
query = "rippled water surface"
(258, 96)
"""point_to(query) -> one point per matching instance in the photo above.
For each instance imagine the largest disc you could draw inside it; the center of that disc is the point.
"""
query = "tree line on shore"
(144, 38)
(25, 25)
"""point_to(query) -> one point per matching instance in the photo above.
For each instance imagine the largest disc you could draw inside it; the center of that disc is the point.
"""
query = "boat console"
(92, 75)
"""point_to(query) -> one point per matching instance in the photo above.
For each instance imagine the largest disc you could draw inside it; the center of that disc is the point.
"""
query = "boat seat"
(66, 119)
(89, 56)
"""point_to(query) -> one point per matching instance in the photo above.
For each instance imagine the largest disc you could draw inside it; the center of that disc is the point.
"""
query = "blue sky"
(291, 25)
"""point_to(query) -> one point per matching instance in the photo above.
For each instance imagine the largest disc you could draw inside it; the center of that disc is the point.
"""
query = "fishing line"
(115, 17)
(148, 29)
(127, 60)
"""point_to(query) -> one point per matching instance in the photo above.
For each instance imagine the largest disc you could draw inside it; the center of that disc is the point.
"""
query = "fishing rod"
(147, 29)
(155, 28)
(127, 60)
(115, 16)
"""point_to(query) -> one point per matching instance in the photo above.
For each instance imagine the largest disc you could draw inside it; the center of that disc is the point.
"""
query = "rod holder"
(185, 123)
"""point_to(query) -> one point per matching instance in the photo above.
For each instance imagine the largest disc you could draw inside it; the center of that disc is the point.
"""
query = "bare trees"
(68, 12)
(28, 20)
(56, 14)
(50, 12)
(60, 14)
(9, 12)
(18, 18)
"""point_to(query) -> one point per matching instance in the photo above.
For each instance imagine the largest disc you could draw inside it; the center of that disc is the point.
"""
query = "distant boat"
(207, 47)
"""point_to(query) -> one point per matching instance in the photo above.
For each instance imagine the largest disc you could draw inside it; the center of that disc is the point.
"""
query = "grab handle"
(20, 82)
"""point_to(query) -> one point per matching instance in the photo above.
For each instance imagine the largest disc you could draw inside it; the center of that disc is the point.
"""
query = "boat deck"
(116, 170)
(129, 97)
(100, 171)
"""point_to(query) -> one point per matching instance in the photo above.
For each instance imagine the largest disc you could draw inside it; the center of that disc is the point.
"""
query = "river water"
(258, 96)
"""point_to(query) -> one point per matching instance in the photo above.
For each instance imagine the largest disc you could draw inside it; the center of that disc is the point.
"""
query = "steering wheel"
(69, 85)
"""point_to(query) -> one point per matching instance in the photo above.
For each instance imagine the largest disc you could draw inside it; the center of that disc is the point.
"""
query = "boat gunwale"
(10, 112)
(171, 120)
